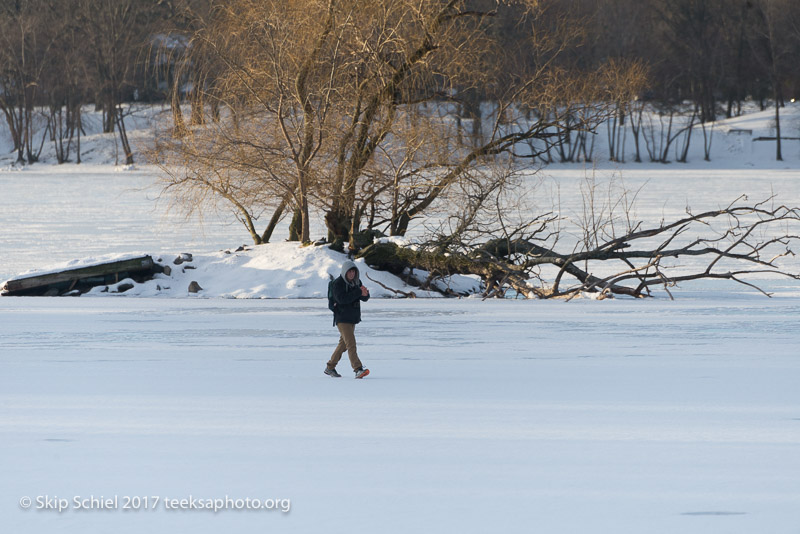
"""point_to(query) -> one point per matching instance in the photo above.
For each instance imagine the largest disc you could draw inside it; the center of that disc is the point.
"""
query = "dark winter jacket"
(348, 296)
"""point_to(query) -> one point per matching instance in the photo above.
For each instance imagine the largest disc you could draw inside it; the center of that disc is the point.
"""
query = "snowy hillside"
(739, 142)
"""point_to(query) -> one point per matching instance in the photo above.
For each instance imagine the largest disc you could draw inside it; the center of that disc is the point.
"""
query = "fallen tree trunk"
(751, 238)
(494, 272)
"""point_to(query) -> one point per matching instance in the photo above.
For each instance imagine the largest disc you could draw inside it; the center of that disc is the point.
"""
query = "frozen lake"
(497, 416)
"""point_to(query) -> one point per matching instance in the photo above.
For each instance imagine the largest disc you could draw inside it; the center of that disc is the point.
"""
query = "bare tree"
(634, 74)
(355, 112)
(64, 84)
(26, 43)
(659, 136)
(117, 33)
(692, 28)
(771, 43)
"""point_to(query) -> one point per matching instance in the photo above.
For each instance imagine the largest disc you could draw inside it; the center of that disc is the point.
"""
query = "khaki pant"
(347, 341)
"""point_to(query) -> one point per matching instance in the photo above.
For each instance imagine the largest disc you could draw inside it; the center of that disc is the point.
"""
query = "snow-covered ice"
(613, 416)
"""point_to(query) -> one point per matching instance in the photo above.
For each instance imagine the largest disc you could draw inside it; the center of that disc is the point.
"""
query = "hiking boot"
(361, 372)
(332, 372)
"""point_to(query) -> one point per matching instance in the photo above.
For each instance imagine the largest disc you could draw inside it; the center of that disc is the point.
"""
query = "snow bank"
(275, 270)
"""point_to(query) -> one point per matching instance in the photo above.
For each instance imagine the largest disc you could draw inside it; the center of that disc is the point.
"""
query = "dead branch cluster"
(730, 243)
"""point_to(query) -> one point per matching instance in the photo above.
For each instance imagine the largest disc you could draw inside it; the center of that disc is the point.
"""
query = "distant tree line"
(56, 57)
(715, 54)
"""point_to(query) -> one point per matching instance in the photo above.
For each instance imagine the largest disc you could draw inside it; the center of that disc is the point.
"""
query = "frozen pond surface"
(613, 416)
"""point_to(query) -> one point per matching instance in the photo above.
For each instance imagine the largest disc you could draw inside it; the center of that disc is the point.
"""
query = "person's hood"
(346, 266)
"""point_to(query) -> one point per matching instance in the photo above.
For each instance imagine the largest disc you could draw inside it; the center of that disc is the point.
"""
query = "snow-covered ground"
(616, 416)
(510, 416)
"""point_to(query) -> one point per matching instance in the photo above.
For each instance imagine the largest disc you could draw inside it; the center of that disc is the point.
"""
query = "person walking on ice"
(345, 295)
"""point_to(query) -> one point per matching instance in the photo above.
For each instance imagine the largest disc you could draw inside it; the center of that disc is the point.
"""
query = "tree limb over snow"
(728, 243)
